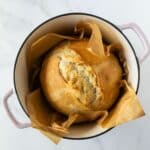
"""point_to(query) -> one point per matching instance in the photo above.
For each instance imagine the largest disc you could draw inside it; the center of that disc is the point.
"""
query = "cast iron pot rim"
(66, 14)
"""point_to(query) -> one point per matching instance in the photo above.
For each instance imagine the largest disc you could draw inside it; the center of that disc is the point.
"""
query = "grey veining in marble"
(18, 18)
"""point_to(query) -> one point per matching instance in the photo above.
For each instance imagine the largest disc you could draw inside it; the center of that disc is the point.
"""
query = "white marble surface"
(18, 18)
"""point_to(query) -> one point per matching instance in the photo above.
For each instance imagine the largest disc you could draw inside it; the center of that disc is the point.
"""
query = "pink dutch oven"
(62, 23)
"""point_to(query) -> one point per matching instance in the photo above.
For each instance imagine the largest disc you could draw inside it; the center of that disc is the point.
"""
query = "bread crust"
(61, 95)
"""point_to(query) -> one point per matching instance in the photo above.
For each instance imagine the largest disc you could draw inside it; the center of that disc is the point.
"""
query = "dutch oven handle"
(135, 28)
(17, 123)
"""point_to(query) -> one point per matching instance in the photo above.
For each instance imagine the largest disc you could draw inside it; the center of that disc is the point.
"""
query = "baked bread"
(71, 85)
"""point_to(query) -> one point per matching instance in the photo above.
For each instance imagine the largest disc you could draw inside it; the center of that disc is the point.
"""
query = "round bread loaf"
(71, 85)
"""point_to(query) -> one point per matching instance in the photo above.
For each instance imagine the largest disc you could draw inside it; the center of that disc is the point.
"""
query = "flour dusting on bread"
(79, 76)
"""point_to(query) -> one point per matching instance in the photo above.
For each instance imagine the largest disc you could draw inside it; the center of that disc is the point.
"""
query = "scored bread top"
(79, 76)
(71, 85)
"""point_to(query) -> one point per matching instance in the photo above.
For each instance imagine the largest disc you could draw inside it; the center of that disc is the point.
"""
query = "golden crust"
(63, 97)
(57, 91)
(110, 74)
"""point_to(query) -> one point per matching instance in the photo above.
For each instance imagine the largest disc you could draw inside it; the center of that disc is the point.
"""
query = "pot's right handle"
(134, 27)
(17, 123)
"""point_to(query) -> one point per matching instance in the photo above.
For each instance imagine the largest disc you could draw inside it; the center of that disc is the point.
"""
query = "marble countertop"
(18, 18)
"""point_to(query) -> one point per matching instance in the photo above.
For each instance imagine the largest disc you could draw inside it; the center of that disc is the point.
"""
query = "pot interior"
(62, 24)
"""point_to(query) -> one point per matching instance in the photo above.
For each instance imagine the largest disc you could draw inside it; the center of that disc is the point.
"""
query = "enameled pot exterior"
(60, 24)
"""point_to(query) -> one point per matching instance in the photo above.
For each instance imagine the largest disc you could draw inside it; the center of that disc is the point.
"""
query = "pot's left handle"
(17, 123)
